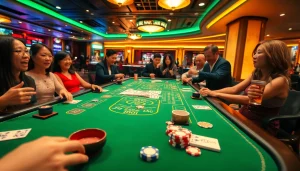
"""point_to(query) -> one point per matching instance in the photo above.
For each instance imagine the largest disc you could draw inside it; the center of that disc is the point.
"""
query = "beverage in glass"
(135, 76)
(261, 85)
(177, 77)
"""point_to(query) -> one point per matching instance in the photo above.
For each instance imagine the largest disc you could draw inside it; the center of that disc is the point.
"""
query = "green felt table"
(128, 129)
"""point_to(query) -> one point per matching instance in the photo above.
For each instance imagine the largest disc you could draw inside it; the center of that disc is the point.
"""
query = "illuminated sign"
(4, 31)
(57, 40)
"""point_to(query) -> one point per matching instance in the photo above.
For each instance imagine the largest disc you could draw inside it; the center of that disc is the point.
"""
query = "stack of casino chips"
(171, 129)
(179, 138)
(149, 153)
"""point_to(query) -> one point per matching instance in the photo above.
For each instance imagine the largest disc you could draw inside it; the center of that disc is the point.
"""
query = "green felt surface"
(128, 129)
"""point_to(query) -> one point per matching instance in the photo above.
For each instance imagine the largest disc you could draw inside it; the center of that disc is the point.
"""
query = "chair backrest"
(291, 107)
(91, 77)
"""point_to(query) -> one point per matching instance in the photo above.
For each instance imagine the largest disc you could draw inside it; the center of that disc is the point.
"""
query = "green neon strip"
(194, 29)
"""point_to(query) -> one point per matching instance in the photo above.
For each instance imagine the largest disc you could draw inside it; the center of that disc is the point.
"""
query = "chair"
(91, 77)
(295, 80)
(289, 117)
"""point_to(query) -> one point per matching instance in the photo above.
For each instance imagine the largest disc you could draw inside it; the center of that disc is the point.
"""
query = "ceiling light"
(173, 4)
(20, 22)
(49, 30)
(33, 30)
(283, 14)
(171, 13)
(196, 13)
(4, 19)
(130, 20)
(113, 22)
(151, 25)
(80, 21)
(138, 5)
(201, 4)
(169, 20)
(290, 28)
(134, 36)
(87, 10)
(268, 35)
(121, 2)
(58, 7)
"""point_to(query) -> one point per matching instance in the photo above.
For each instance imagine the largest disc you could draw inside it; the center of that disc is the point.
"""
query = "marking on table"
(127, 105)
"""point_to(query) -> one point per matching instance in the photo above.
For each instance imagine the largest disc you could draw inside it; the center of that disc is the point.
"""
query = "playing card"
(15, 134)
(72, 102)
(104, 90)
(201, 107)
(205, 142)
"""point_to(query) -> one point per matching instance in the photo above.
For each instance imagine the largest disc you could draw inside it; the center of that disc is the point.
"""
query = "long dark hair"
(171, 64)
(34, 50)
(57, 58)
(278, 57)
(6, 55)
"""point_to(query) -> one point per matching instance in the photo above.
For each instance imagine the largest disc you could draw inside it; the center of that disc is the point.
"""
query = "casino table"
(128, 129)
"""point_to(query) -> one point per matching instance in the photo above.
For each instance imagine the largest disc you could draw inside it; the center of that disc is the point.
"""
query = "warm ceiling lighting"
(173, 4)
(58, 7)
(130, 20)
(268, 35)
(290, 28)
(4, 19)
(134, 36)
(151, 26)
(121, 2)
(201, 4)
(169, 20)
(87, 10)
(283, 14)
(20, 22)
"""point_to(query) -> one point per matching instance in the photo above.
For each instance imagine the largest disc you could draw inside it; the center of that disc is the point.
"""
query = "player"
(65, 74)
(153, 69)
(107, 71)
(199, 61)
(39, 69)
(168, 68)
(44, 154)
(16, 88)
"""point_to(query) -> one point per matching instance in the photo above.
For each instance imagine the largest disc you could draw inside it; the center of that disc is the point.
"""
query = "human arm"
(60, 89)
(146, 72)
(16, 96)
(59, 80)
(222, 71)
(46, 154)
(87, 85)
(100, 73)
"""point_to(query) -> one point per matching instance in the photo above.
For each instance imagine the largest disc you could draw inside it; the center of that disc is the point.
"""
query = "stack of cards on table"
(72, 102)
(149, 94)
(201, 107)
(15, 134)
(205, 142)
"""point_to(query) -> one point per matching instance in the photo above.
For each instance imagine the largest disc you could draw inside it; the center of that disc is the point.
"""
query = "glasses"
(22, 52)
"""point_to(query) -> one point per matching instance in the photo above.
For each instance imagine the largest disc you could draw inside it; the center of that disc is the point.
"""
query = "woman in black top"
(16, 88)
(168, 68)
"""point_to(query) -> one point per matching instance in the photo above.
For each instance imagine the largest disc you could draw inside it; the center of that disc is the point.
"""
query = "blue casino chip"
(149, 153)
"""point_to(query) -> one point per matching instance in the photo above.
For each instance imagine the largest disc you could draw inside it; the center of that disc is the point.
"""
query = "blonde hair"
(278, 58)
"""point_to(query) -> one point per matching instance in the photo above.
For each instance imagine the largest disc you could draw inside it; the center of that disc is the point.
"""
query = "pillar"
(242, 36)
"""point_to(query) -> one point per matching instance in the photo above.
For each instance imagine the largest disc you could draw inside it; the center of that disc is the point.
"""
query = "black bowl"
(196, 95)
(93, 139)
(119, 81)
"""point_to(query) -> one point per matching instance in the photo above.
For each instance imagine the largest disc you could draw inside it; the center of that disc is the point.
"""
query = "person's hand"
(186, 80)
(94, 87)
(158, 65)
(46, 154)
(192, 71)
(255, 91)
(171, 72)
(17, 95)
(119, 76)
(164, 71)
(207, 92)
(152, 75)
(65, 93)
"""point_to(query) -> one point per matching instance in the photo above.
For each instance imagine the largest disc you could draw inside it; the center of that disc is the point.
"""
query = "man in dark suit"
(216, 72)
(153, 69)
(106, 70)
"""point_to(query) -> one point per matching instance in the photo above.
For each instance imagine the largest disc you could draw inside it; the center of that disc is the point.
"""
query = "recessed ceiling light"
(127, 13)
(196, 13)
(138, 5)
(87, 10)
(283, 14)
(58, 7)
(20, 22)
(169, 20)
(290, 28)
(113, 22)
(49, 30)
(201, 4)
(33, 30)
(171, 13)
(268, 35)
(92, 13)
(80, 21)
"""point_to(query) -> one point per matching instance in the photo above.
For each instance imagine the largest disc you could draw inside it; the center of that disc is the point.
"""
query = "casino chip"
(140, 107)
(205, 124)
(193, 151)
(169, 123)
(95, 100)
(149, 153)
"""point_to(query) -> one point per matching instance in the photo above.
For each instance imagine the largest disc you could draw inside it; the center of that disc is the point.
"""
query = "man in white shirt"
(199, 61)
